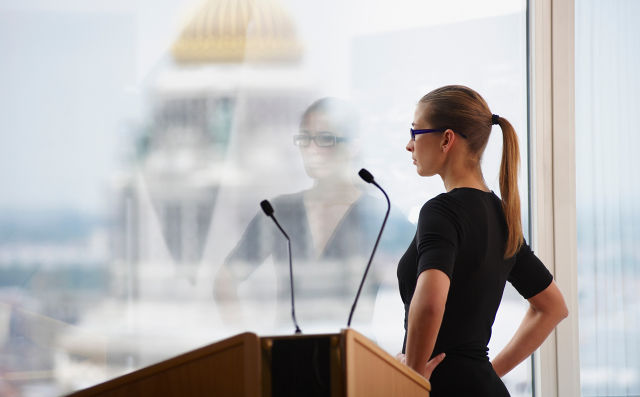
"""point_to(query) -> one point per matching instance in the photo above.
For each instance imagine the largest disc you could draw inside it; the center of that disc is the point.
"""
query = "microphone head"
(366, 175)
(266, 207)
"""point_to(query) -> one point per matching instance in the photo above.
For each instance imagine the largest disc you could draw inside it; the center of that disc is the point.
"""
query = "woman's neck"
(464, 178)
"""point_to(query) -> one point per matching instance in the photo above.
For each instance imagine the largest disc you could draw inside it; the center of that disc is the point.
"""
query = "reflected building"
(231, 75)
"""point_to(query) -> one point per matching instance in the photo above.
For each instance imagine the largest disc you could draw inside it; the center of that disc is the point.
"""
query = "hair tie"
(495, 119)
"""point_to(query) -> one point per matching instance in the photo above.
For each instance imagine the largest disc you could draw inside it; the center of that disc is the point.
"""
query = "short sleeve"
(528, 275)
(437, 237)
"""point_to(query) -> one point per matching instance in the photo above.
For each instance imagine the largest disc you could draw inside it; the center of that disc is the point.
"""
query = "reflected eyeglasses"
(418, 132)
(323, 139)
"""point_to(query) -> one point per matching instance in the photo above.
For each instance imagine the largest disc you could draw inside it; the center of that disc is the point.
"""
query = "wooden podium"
(334, 365)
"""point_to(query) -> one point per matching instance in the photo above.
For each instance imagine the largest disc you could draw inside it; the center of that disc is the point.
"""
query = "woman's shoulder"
(288, 199)
(449, 201)
(455, 206)
(443, 206)
(290, 205)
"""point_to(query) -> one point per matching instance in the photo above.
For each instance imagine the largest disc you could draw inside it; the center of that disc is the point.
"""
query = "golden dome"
(235, 30)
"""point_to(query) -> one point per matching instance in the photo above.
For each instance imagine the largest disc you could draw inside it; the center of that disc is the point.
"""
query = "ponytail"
(463, 110)
(509, 187)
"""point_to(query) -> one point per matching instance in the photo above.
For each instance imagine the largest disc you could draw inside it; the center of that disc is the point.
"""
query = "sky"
(71, 78)
(73, 83)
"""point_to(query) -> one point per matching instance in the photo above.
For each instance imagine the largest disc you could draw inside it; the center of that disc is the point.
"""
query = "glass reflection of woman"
(326, 126)
(332, 225)
(468, 243)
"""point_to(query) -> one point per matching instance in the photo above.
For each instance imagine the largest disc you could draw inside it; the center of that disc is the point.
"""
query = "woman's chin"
(323, 173)
(423, 172)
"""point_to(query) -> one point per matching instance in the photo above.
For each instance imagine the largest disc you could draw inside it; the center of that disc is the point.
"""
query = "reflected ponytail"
(509, 187)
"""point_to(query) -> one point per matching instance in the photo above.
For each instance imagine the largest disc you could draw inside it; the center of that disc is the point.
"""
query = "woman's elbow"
(550, 302)
(559, 312)
(554, 315)
(564, 311)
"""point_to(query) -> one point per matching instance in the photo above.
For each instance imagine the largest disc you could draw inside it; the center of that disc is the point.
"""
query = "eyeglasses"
(322, 139)
(418, 132)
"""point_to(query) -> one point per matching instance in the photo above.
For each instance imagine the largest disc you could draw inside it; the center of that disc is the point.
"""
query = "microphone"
(268, 210)
(367, 177)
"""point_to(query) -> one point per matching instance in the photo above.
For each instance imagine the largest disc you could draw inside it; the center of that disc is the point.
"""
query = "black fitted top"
(463, 233)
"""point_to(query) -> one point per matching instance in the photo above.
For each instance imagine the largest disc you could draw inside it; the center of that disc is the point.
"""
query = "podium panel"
(373, 372)
(227, 368)
(334, 365)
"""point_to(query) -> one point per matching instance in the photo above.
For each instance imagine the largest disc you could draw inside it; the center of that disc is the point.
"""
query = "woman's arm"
(225, 292)
(425, 318)
(546, 310)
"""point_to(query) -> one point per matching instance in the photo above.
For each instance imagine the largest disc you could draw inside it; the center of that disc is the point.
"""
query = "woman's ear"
(447, 141)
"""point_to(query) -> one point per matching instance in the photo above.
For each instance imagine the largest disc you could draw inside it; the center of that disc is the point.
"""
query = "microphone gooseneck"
(366, 175)
(268, 210)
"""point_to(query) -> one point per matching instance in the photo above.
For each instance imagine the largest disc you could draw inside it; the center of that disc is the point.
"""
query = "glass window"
(608, 213)
(138, 140)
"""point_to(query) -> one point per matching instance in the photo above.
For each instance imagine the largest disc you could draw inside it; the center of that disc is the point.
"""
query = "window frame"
(553, 183)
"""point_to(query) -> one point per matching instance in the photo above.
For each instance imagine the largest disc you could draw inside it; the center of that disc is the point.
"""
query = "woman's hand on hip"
(431, 365)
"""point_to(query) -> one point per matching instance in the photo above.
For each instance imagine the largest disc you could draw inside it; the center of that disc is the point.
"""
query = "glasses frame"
(334, 141)
(429, 130)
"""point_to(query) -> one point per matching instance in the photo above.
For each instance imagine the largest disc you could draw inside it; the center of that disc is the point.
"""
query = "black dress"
(463, 233)
(334, 273)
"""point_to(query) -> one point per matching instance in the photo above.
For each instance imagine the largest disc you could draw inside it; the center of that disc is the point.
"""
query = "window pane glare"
(139, 139)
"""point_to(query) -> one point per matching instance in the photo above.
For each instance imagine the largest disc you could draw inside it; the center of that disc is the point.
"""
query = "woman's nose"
(410, 146)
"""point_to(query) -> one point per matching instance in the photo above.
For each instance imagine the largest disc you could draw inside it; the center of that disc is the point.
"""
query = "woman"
(468, 243)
